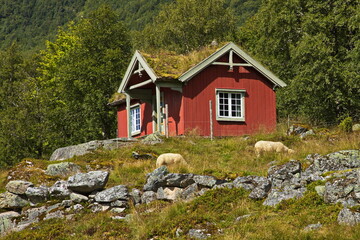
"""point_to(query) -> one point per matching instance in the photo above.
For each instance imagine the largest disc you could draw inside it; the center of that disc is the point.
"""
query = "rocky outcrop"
(12, 201)
(259, 186)
(88, 182)
(37, 194)
(84, 148)
(286, 183)
(348, 217)
(18, 186)
(152, 139)
(199, 234)
(337, 161)
(7, 222)
(60, 190)
(300, 130)
(156, 179)
(112, 194)
(62, 169)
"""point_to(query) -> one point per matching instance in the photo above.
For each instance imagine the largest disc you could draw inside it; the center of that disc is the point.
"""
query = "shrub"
(346, 124)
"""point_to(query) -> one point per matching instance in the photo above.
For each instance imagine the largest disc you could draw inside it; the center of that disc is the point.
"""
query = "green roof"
(168, 64)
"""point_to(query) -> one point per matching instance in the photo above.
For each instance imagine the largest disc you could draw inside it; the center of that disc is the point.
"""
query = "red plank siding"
(259, 101)
(146, 119)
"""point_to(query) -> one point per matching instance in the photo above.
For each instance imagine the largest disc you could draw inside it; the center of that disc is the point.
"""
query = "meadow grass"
(216, 210)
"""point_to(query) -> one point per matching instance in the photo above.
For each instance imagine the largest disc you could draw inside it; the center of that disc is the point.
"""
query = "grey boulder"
(77, 198)
(276, 196)
(60, 190)
(18, 186)
(155, 179)
(348, 217)
(12, 201)
(205, 181)
(84, 148)
(259, 186)
(285, 175)
(6, 221)
(198, 234)
(179, 180)
(135, 195)
(62, 169)
(88, 182)
(148, 197)
(37, 194)
(169, 193)
(341, 160)
(111, 194)
(190, 192)
(342, 190)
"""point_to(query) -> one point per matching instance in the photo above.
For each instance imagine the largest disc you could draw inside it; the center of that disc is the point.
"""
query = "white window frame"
(242, 105)
(135, 131)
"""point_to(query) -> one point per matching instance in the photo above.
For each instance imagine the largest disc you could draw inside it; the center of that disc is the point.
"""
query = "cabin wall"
(145, 115)
(260, 102)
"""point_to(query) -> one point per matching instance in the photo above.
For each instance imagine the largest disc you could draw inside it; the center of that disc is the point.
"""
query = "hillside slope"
(32, 22)
(223, 213)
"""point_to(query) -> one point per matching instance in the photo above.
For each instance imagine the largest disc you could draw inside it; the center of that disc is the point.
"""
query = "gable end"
(231, 48)
(139, 60)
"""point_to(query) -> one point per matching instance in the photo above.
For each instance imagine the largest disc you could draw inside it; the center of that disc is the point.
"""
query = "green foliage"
(346, 124)
(314, 47)
(22, 109)
(187, 25)
(82, 67)
(135, 14)
(31, 22)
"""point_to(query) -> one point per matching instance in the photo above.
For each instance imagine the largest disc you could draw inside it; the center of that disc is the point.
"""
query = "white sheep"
(170, 159)
(268, 146)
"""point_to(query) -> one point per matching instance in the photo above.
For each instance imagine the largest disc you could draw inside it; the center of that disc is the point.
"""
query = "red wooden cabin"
(241, 91)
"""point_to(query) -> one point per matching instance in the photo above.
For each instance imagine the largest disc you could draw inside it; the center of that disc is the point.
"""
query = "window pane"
(229, 104)
(135, 119)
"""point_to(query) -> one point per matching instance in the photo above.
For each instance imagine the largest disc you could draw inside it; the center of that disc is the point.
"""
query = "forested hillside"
(32, 22)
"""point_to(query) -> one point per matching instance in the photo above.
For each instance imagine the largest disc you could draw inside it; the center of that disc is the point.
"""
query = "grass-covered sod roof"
(168, 64)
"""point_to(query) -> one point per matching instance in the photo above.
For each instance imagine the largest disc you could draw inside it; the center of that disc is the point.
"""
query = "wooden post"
(288, 122)
(211, 121)
(128, 115)
(166, 121)
(158, 109)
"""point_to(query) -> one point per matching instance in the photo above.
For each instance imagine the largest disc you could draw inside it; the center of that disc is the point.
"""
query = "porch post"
(128, 115)
(158, 113)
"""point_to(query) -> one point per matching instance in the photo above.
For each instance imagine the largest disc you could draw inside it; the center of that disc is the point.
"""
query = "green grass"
(224, 158)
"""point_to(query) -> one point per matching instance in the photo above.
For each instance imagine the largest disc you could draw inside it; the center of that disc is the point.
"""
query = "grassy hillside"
(217, 210)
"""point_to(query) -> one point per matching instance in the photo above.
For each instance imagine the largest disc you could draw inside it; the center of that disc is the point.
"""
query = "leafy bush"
(346, 124)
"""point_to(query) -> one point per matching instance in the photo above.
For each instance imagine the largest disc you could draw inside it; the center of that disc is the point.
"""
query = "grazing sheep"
(268, 146)
(170, 159)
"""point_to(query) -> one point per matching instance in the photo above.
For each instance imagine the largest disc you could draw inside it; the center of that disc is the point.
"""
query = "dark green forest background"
(31, 22)
(61, 61)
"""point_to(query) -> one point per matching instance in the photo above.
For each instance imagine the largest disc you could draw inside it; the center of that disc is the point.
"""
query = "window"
(230, 105)
(135, 119)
